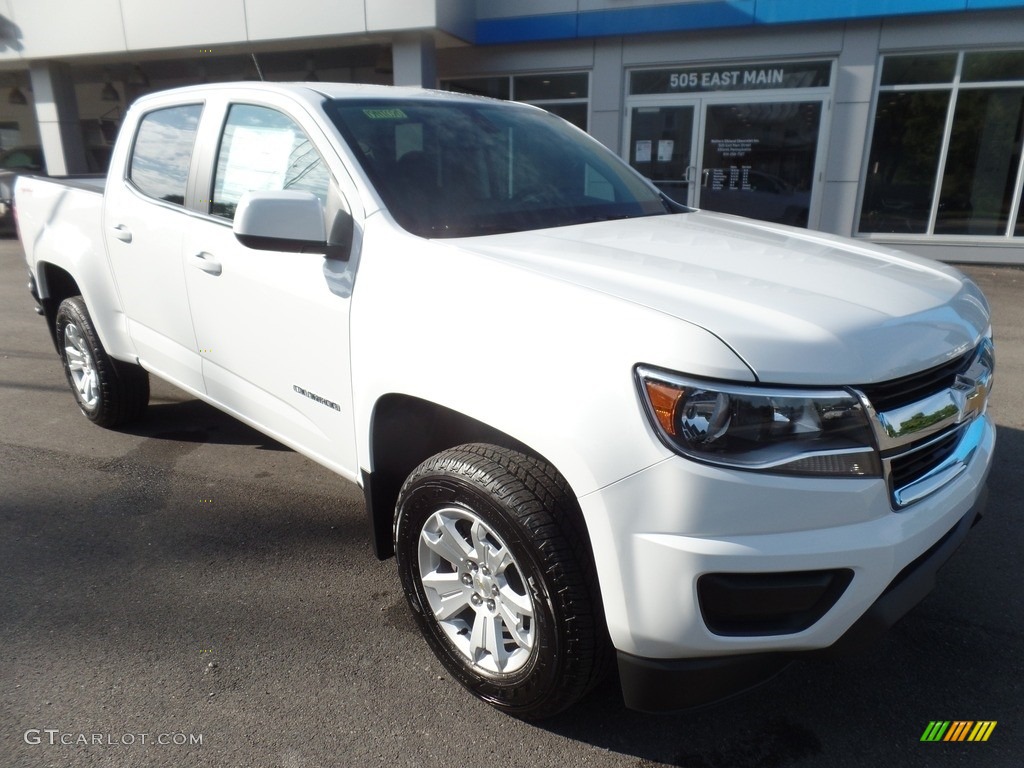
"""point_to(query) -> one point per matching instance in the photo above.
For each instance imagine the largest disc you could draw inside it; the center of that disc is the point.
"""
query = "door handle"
(691, 174)
(122, 233)
(206, 262)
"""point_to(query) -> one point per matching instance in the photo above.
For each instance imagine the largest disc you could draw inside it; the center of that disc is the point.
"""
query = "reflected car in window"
(756, 195)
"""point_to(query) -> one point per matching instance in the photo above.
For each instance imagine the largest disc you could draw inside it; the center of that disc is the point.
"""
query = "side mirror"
(339, 242)
(288, 220)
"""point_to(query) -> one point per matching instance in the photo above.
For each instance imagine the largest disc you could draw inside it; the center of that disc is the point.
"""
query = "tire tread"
(537, 495)
(124, 387)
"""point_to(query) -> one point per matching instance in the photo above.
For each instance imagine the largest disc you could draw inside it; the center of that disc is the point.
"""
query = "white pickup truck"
(591, 425)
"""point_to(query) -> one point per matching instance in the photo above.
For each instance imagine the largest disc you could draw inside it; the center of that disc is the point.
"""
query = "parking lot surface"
(188, 592)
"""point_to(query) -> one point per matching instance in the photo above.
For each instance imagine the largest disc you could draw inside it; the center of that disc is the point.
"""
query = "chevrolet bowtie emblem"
(971, 389)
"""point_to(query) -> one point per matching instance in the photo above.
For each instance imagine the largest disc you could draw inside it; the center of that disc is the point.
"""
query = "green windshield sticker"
(385, 114)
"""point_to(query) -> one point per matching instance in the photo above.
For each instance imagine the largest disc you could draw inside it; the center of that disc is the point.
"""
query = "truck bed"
(61, 225)
(88, 182)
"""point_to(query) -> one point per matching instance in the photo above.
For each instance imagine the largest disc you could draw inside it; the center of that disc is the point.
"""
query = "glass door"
(756, 158)
(661, 147)
(759, 159)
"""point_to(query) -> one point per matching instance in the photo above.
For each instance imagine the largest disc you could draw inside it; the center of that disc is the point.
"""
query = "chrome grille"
(917, 386)
(917, 462)
(928, 425)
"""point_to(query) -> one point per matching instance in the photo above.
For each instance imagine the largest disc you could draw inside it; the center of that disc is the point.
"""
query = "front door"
(757, 158)
(273, 327)
(662, 148)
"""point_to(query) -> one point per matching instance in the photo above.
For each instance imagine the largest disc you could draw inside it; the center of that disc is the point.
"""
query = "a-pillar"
(414, 57)
(60, 131)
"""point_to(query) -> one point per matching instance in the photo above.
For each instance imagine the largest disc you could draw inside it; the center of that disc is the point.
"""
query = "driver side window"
(264, 150)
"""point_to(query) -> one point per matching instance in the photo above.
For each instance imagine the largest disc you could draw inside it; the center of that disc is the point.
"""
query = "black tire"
(109, 392)
(527, 512)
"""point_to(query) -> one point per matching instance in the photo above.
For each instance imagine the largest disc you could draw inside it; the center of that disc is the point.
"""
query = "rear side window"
(163, 151)
(264, 150)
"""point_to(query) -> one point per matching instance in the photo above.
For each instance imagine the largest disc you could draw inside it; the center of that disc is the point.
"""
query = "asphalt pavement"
(188, 593)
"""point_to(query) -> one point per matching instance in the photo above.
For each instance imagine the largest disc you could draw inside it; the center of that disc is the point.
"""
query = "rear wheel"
(109, 392)
(496, 567)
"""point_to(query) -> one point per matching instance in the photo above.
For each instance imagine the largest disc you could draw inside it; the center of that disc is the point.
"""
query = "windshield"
(457, 169)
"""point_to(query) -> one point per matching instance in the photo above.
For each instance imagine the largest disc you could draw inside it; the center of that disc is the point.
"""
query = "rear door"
(144, 217)
(272, 326)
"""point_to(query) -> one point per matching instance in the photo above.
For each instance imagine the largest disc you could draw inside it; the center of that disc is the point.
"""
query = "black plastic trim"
(34, 290)
(285, 244)
(760, 604)
(380, 535)
(664, 685)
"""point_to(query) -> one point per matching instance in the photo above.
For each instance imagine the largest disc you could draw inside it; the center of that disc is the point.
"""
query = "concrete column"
(60, 131)
(606, 93)
(415, 60)
(855, 82)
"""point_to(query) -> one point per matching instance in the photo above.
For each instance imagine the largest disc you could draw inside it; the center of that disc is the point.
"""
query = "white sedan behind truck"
(592, 425)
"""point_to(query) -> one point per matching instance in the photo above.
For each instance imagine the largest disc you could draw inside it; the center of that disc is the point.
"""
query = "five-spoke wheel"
(494, 560)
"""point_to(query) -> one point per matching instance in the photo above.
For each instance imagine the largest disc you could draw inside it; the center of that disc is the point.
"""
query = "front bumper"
(654, 685)
(753, 525)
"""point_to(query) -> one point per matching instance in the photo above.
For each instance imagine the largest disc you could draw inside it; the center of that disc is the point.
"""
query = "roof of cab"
(315, 91)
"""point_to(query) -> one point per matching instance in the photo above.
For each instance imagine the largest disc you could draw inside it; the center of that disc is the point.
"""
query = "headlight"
(807, 432)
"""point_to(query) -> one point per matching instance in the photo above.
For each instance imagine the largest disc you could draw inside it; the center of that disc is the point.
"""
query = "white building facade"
(896, 121)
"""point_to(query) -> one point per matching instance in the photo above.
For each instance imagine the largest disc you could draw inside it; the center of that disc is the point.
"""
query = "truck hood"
(798, 307)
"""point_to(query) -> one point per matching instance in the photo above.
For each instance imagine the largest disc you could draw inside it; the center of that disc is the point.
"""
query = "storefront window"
(980, 179)
(532, 88)
(495, 87)
(993, 66)
(919, 70)
(929, 174)
(564, 94)
(904, 155)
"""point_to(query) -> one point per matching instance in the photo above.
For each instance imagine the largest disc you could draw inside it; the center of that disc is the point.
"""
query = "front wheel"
(109, 392)
(495, 565)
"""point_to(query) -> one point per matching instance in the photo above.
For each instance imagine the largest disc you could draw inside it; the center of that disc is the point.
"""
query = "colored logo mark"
(958, 730)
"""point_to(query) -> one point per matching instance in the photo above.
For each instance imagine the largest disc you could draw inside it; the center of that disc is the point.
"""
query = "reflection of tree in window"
(264, 150)
(163, 151)
(306, 169)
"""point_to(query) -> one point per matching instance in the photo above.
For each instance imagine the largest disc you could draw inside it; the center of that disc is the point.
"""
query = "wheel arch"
(404, 432)
(55, 285)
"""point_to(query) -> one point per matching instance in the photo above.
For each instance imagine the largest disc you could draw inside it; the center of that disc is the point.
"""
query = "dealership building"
(897, 121)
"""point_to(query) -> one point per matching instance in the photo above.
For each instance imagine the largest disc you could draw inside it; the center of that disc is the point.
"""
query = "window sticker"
(258, 159)
(393, 113)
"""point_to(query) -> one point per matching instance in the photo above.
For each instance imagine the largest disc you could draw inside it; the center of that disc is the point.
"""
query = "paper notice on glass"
(665, 149)
(258, 160)
(643, 151)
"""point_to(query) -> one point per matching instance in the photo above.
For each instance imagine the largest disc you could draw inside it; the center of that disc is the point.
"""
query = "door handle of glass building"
(690, 175)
